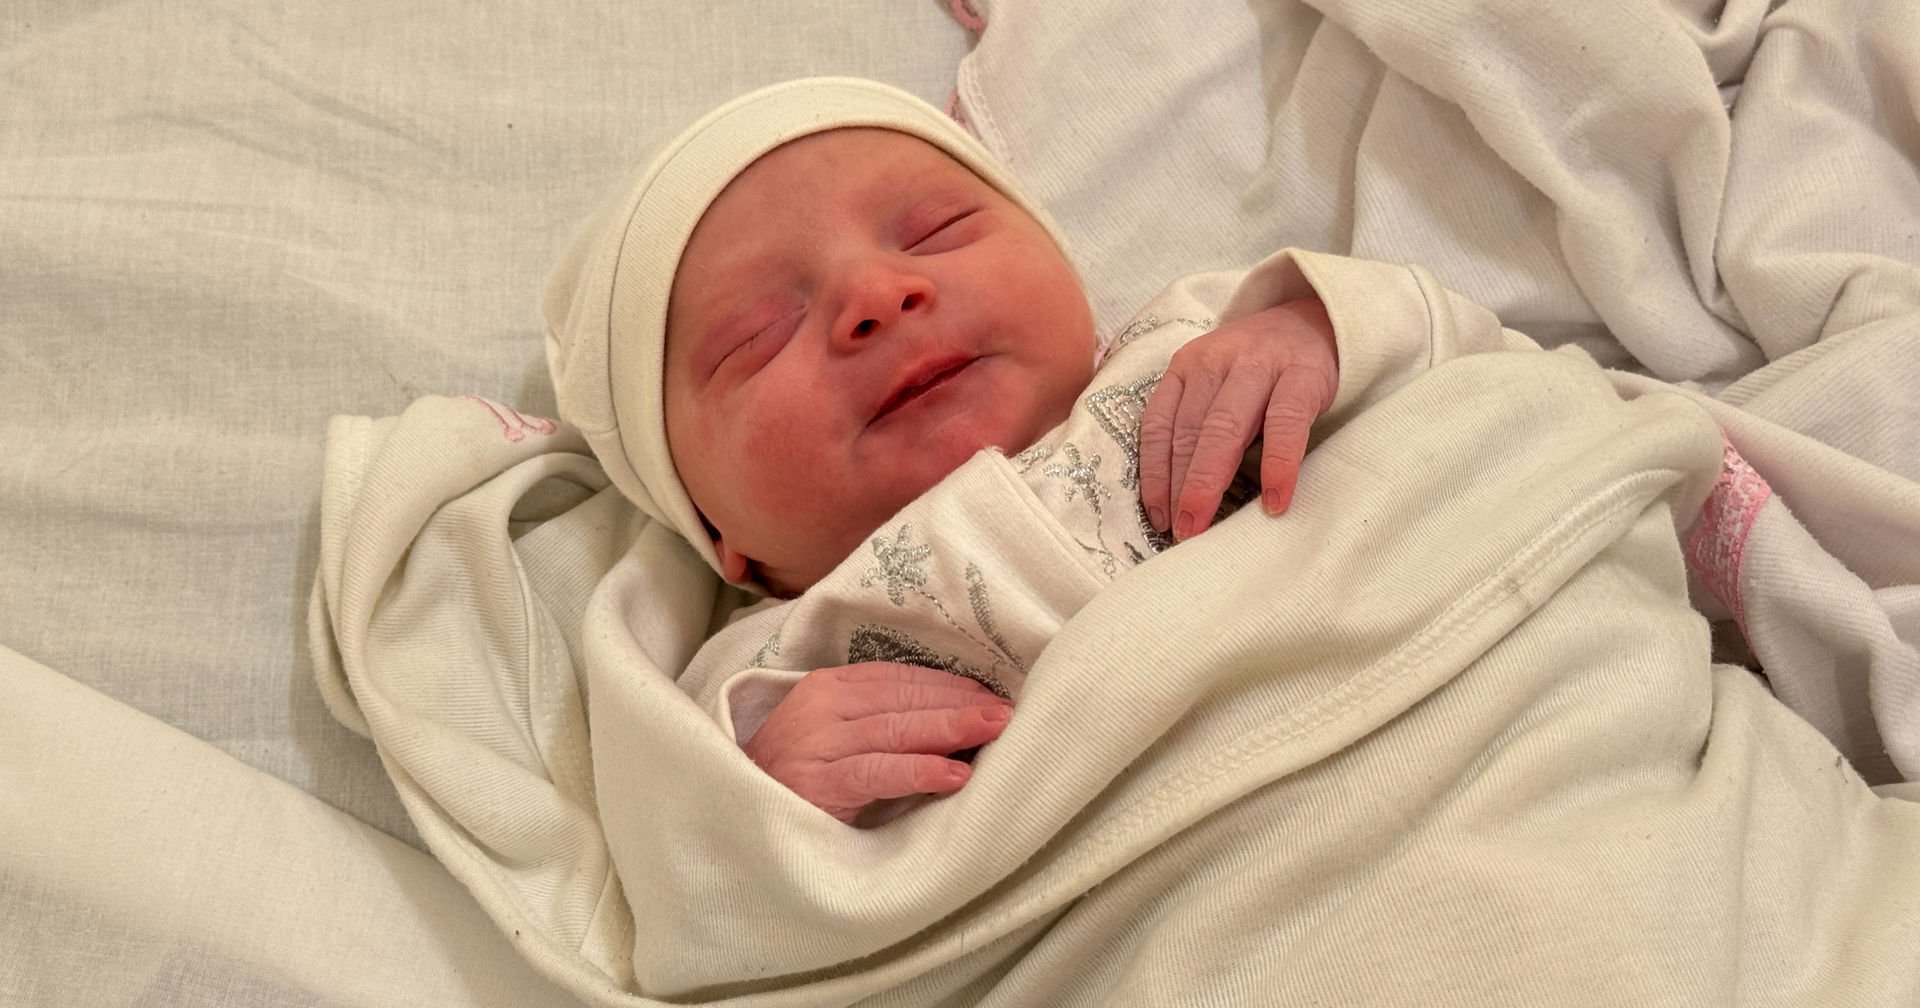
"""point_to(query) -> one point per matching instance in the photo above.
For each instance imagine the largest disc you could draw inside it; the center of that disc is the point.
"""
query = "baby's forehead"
(820, 180)
(842, 154)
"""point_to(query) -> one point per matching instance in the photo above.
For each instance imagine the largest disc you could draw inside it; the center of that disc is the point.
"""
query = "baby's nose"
(880, 300)
(866, 326)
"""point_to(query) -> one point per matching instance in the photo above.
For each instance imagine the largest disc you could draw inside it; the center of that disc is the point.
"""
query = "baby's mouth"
(924, 381)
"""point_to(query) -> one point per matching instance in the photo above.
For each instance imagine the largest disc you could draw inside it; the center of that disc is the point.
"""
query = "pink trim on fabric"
(513, 424)
(969, 18)
(958, 112)
(1719, 542)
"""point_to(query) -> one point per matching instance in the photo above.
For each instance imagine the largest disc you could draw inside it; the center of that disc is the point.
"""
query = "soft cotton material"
(606, 304)
(1455, 709)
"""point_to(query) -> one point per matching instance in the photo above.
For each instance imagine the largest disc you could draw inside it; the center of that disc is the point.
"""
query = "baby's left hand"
(1268, 375)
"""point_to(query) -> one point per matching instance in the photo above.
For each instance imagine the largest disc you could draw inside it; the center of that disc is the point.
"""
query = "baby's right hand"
(851, 735)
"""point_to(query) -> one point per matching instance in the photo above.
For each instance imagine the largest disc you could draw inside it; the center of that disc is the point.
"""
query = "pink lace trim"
(969, 18)
(1719, 542)
(513, 424)
(957, 112)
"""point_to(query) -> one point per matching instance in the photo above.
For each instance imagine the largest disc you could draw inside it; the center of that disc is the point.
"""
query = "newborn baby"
(828, 302)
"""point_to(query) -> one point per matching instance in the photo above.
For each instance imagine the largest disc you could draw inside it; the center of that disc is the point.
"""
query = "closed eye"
(755, 351)
(953, 231)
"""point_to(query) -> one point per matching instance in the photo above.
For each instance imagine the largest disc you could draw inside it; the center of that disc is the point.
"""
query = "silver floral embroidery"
(1142, 326)
(1134, 330)
(983, 615)
(767, 651)
(1082, 475)
(874, 642)
(899, 565)
(1081, 472)
(1033, 456)
(1118, 409)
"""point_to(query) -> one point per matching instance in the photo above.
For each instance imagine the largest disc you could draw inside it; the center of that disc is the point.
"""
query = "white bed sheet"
(144, 867)
(223, 222)
(220, 224)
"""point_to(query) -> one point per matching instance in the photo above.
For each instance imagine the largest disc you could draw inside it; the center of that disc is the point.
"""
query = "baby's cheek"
(780, 445)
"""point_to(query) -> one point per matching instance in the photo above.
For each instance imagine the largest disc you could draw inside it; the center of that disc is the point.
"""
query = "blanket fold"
(1697, 190)
(457, 508)
(1449, 726)
(1462, 667)
(1457, 646)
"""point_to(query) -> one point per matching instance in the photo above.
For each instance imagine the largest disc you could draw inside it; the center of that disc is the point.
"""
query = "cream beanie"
(606, 303)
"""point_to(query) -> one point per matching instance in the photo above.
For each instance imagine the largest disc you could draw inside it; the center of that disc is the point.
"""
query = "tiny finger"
(924, 732)
(1229, 426)
(898, 672)
(864, 700)
(871, 688)
(860, 780)
(1289, 424)
(1196, 402)
(1156, 451)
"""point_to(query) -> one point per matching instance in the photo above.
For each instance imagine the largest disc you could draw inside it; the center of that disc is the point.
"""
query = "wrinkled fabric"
(1693, 189)
(1456, 708)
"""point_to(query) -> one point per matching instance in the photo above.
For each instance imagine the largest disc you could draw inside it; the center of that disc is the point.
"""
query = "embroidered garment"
(1456, 700)
(978, 574)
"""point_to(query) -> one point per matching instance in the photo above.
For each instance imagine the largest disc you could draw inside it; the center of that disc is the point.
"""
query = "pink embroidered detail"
(958, 112)
(1719, 542)
(513, 423)
(969, 18)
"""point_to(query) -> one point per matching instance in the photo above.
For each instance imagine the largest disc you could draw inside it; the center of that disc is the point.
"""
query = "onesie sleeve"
(1391, 322)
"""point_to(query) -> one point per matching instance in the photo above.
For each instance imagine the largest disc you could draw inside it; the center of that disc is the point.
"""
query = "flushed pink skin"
(854, 317)
(826, 286)
(851, 735)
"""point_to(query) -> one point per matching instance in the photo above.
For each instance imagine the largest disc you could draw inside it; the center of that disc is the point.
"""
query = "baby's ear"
(734, 565)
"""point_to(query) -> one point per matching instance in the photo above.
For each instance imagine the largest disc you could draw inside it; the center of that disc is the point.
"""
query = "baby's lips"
(915, 379)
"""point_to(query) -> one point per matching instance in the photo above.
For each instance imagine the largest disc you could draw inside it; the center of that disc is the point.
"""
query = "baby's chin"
(1009, 434)
(899, 481)
(860, 520)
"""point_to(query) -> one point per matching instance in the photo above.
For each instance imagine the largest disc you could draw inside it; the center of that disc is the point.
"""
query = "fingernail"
(997, 715)
(1184, 526)
(1274, 501)
(1157, 517)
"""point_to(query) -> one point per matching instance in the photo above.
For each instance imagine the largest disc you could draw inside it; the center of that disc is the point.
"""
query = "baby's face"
(853, 317)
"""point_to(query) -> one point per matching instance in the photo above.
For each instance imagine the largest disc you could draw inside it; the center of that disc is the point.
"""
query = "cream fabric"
(1829, 599)
(141, 866)
(1705, 186)
(1829, 575)
(1454, 709)
(223, 223)
(977, 575)
(606, 303)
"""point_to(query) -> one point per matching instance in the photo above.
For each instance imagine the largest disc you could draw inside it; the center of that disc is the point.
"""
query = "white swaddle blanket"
(1447, 728)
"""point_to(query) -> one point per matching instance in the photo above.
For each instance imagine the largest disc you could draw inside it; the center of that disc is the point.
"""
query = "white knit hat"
(606, 303)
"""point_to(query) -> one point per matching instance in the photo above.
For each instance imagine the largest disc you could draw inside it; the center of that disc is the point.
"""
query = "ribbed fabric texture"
(1455, 710)
(606, 303)
(1695, 194)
